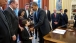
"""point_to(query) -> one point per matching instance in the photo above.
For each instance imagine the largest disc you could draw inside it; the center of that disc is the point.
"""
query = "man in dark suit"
(12, 19)
(40, 22)
(55, 19)
(75, 21)
(64, 19)
(61, 13)
(47, 13)
(27, 12)
(4, 28)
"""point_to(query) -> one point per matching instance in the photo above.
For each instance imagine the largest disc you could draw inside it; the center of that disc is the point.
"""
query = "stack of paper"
(59, 31)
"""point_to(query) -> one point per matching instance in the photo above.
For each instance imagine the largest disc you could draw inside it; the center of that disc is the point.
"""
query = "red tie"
(55, 15)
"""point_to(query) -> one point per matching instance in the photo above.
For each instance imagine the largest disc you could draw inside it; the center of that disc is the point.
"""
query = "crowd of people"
(31, 20)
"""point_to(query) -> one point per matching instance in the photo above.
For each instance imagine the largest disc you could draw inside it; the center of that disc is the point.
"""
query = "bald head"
(13, 4)
(3, 2)
(54, 10)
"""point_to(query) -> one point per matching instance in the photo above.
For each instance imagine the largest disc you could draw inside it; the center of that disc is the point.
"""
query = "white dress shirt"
(1, 8)
(62, 14)
(11, 8)
(46, 11)
(27, 13)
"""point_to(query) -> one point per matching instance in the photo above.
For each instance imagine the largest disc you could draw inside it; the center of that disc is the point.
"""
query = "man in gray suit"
(4, 28)
(12, 19)
(40, 22)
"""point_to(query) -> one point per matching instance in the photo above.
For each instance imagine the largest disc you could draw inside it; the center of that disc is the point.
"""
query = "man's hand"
(30, 38)
(32, 29)
(21, 28)
(56, 22)
(14, 37)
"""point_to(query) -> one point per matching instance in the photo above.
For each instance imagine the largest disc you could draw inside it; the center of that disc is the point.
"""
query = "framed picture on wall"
(58, 4)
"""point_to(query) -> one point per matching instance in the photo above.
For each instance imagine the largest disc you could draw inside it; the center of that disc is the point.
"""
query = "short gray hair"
(34, 4)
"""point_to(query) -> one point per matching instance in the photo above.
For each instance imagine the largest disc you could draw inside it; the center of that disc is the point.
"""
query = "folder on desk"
(59, 31)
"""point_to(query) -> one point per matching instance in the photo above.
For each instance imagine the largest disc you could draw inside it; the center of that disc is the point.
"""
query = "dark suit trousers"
(75, 24)
(41, 40)
(36, 33)
(27, 41)
(13, 41)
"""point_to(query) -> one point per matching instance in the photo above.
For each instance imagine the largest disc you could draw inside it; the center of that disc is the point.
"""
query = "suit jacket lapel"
(57, 15)
(12, 12)
(53, 15)
(4, 19)
(47, 12)
(36, 18)
(26, 13)
(38, 12)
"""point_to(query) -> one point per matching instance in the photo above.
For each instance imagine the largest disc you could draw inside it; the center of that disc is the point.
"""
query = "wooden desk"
(69, 37)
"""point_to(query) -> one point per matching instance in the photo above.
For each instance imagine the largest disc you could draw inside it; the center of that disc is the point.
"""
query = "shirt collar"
(37, 9)
(45, 10)
(11, 8)
(61, 13)
(1, 8)
(26, 10)
(54, 13)
(26, 28)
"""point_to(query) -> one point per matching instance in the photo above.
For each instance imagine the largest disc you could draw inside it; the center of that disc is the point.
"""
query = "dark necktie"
(36, 14)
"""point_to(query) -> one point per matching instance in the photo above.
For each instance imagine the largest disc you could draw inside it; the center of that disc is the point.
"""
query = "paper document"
(59, 31)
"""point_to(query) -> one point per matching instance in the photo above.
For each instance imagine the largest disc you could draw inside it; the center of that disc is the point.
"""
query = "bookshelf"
(73, 11)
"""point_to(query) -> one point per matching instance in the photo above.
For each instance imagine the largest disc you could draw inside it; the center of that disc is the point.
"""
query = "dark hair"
(60, 9)
(24, 22)
(31, 25)
(11, 1)
(34, 4)
(20, 11)
(27, 4)
(65, 10)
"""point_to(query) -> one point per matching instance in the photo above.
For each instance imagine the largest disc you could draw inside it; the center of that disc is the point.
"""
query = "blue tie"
(36, 14)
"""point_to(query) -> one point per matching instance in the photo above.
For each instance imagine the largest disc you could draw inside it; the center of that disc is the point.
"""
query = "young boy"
(25, 34)
(31, 29)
